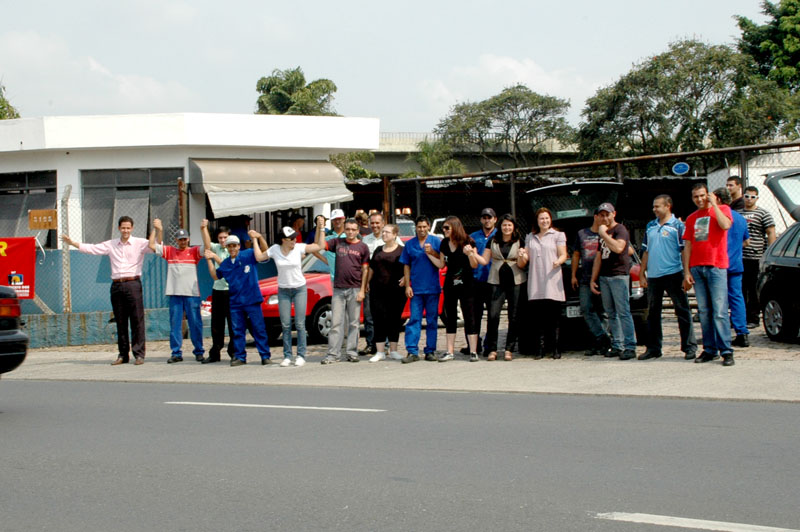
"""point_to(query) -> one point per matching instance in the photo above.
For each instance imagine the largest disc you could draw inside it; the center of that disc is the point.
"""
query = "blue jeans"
(711, 291)
(429, 304)
(369, 324)
(736, 303)
(240, 316)
(286, 298)
(346, 313)
(617, 303)
(177, 306)
(590, 313)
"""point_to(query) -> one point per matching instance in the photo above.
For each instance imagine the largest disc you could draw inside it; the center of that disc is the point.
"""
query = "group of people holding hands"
(493, 266)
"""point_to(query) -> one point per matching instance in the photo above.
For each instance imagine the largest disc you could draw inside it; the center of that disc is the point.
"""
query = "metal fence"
(644, 177)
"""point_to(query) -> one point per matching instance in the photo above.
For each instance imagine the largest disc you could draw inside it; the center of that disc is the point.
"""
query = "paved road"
(116, 456)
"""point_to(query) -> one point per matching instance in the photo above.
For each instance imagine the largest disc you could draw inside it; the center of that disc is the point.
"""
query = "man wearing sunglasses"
(761, 226)
(482, 288)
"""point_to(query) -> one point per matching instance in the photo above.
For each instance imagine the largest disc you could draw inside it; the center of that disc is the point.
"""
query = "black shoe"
(473, 357)
(594, 351)
(237, 362)
(369, 350)
(741, 340)
(613, 353)
(556, 355)
(628, 354)
(174, 359)
(538, 355)
(706, 357)
(650, 353)
(199, 358)
(266, 361)
(410, 358)
(464, 351)
(431, 357)
(727, 359)
(690, 355)
(209, 360)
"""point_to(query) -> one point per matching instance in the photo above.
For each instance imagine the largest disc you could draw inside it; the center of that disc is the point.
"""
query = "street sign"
(680, 168)
(42, 219)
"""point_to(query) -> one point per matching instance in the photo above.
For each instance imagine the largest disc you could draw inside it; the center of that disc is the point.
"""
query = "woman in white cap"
(288, 256)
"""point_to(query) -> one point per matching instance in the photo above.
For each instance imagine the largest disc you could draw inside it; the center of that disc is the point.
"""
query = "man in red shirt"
(705, 264)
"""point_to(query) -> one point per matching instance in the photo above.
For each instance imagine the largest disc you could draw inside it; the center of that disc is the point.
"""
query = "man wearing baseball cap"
(182, 290)
(482, 288)
(610, 279)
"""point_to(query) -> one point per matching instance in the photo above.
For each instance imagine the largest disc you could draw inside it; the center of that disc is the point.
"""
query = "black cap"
(488, 211)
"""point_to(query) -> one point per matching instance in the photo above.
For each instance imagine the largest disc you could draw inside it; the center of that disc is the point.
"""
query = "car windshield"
(312, 264)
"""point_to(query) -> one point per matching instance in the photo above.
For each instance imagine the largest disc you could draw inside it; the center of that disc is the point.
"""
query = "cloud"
(44, 77)
(490, 74)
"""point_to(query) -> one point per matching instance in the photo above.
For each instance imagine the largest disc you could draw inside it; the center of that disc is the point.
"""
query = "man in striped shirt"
(182, 290)
(762, 233)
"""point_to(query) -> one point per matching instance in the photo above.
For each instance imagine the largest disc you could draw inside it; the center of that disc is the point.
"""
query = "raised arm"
(204, 232)
(255, 236)
(319, 241)
(156, 233)
(70, 242)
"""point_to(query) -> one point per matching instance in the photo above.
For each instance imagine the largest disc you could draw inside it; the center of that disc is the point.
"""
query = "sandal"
(508, 356)
(492, 356)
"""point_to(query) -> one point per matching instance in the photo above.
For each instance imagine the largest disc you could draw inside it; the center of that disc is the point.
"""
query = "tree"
(775, 46)
(351, 164)
(517, 122)
(434, 158)
(691, 97)
(285, 92)
(6, 109)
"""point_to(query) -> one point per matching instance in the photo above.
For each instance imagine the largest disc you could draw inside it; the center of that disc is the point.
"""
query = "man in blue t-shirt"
(738, 238)
(662, 270)
(239, 269)
(422, 288)
(481, 286)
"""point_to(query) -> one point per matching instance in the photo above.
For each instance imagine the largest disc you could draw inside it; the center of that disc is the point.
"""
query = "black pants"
(544, 317)
(387, 307)
(509, 293)
(220, 315)
(128, 306)
(481, 299)
(749, 280)
(673, 286)
(452, 296)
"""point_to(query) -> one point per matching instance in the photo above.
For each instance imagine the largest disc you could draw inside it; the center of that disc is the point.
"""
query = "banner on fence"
(18, 265)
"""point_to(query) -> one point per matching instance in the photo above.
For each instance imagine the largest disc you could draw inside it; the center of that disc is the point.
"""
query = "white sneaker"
(394, 355)
(377, 357)
(299, 361)
(286, 362)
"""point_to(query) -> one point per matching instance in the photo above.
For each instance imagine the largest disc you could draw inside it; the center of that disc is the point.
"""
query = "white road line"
(288, 407)
(682, 522)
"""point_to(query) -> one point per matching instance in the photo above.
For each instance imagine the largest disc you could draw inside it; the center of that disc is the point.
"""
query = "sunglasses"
(446, 227)
(750, 196)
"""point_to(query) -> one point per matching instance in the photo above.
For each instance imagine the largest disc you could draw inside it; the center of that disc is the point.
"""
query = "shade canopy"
(238, 186)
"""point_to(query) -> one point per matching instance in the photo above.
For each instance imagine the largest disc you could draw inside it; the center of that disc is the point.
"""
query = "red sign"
(18, 265)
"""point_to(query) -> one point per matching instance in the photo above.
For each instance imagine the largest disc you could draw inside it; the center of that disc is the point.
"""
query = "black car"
(573, 206)
(13, 342)
(779, 273)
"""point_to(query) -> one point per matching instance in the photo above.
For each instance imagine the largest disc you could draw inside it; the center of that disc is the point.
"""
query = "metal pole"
(619, 172)
(391, 214)
(743, 168)
(65, 266)
(418, 189)
(513, 182)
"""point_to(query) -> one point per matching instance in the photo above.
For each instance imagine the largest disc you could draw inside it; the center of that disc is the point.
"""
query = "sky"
(406, 63)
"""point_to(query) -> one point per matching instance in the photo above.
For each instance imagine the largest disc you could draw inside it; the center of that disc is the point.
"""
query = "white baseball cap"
(337, 213)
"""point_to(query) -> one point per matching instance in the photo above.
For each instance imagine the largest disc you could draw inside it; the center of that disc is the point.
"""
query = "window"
(20, 193)
(142, 194)
(794, 243)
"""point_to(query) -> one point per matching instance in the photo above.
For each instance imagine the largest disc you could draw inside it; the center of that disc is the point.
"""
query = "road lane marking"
(285, 407)
(683, 522)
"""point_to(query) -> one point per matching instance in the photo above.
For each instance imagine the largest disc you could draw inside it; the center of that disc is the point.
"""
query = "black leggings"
(500, 293)
(544, 316)
(452, 295)
(387, 306)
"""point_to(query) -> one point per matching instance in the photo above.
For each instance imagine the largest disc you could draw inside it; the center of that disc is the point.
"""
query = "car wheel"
(780, 323)
(319, 323)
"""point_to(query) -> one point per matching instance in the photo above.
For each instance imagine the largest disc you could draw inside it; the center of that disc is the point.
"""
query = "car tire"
(781, 323)
(319, 322)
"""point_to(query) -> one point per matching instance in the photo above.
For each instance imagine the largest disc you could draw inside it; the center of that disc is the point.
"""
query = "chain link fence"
(642, 178)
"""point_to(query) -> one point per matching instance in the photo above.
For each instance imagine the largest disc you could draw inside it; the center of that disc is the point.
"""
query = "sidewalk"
(767, 371)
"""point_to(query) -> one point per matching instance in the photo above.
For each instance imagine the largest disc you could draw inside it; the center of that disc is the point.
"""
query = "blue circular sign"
(680, 168)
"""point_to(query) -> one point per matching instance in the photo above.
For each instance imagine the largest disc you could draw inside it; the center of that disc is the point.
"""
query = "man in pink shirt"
(126, 255)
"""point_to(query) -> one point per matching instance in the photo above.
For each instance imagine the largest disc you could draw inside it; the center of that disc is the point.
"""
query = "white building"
(97, 168)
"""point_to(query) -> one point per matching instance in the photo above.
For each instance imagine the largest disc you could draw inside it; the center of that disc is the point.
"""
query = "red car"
(318, 303)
